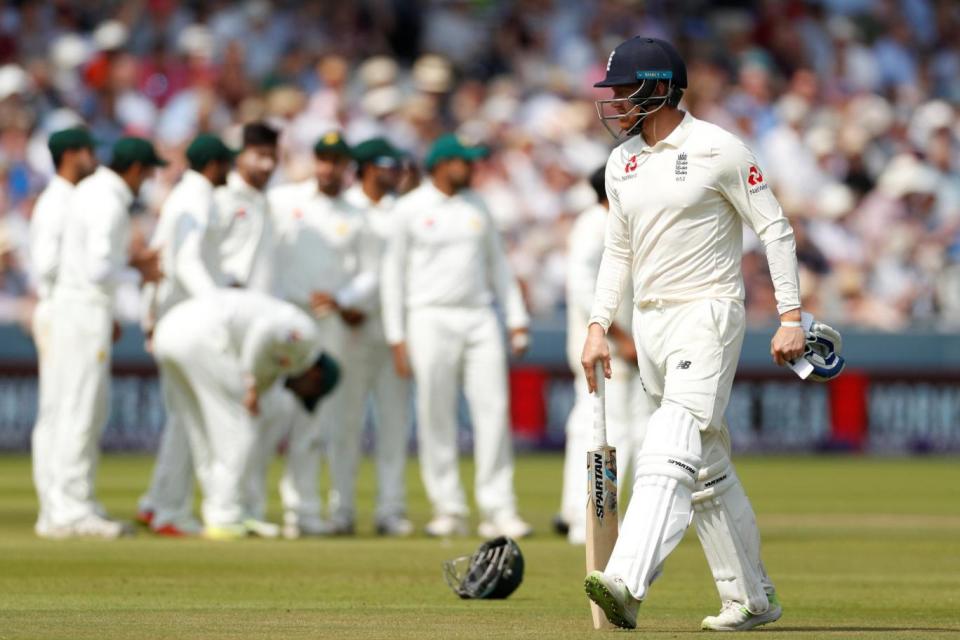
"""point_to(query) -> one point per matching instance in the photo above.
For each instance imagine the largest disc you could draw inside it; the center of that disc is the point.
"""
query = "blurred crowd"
(851, 106)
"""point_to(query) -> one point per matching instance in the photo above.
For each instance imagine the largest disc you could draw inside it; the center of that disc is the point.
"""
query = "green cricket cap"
(131, 150)
(332, 142)
(206, 148)
(449, 146)
(67, 139)
(375, 149)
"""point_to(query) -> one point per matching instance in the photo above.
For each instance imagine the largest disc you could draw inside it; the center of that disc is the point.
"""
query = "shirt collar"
(236, 181)
(113, 181)
(191, 177)
(676, 138)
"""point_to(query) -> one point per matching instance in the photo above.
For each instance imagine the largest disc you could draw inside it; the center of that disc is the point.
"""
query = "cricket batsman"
(680, 190)
(444, 269)
(378, 170)
(626, 404)
(219, 353)
(73, 156)
(95, 256)
(327, 268)
(191, 266)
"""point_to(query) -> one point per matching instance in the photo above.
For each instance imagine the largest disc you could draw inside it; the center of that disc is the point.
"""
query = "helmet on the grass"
(494, 571)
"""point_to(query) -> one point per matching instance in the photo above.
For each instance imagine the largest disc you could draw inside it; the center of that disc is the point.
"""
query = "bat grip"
(599, 408)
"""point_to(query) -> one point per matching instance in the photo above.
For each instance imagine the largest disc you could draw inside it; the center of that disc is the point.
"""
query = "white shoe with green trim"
(734, 616)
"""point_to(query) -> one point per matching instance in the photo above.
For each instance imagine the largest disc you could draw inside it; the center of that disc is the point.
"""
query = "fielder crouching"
(219, 353)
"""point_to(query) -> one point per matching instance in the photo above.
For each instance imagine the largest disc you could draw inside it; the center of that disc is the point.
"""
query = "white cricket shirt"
(96, 237)
(584, 252)
(445, 252)
(323, 246)
(189, 256)
(46, 231)
(676, 221)
(244, 232)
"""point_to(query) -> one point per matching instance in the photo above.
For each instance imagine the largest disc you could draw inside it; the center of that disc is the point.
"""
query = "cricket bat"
(602, 507)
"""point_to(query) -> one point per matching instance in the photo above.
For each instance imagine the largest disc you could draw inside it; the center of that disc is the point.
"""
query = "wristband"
(791, 323)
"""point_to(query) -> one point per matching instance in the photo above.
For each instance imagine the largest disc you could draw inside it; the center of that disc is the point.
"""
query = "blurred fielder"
(191, 266)
(95, 257)
(378, 169)
(444, 269)
(327, 268)
(73, 160)
(626, 404)
(680, 190)
(219, 353)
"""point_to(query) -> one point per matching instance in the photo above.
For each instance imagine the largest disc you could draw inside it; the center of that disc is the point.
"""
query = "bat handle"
(599, 408)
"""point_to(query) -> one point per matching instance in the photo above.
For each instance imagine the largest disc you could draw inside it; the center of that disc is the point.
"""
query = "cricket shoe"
(734, 616)
(145, 517)
(225, 532)
(613, 598)
(261, 528)
(509, 525)
(185, 528)
(47, 531)
(341, 527)
(394, 527)
(560, 525)
(446, 526)
(309, 528)
(96, 526)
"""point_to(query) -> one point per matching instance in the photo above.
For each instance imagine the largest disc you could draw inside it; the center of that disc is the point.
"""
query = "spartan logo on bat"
(598, 484)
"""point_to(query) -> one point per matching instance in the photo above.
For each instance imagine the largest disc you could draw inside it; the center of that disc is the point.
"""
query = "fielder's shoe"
(261, 528)
(734, 616)
(144, 517)
(341, 527)
(225, 532)
(509, 525)
(179, 529)
(96, 526)
(395, 527)
(613, 597)
(560, 526)
(446, 526)
(313, 528)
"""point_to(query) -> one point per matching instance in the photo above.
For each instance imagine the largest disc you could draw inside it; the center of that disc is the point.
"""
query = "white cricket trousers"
(390, 396)
(688, 356)
(450, 347)
(205, 383)
(80, 362)
(627, 411)
(170, 495)
(43, 438)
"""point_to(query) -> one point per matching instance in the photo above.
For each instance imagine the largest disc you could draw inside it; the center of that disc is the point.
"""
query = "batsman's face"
(256, 164)
(628, 114)
(329, 169)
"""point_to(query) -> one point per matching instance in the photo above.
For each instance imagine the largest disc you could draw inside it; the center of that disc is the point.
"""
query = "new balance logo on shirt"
(684, 364)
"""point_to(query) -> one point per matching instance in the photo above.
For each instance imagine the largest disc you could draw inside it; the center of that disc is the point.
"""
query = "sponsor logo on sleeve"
(755, 180)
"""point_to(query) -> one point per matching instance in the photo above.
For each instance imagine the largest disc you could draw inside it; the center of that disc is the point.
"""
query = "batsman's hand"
(788, 344)
(322, 303)
(595, 349)
(623, 341)
(147, 262)
(251, 399)
(400, 360)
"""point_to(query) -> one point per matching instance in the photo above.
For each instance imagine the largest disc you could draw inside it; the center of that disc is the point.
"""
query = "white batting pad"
(727, 528)
(660, 509)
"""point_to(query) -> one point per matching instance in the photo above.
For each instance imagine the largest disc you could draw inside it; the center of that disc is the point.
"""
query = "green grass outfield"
(859, 548)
